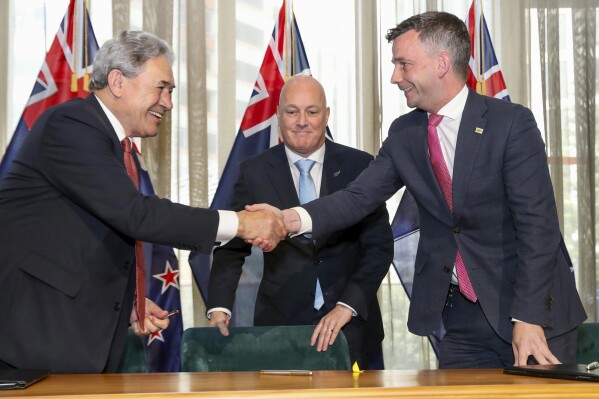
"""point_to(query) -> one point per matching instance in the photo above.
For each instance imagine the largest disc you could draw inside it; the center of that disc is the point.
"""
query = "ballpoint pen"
(286, 372)
(593, 366)
(174, 312)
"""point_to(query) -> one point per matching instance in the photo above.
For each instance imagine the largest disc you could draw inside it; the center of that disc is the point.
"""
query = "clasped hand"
(265, 226)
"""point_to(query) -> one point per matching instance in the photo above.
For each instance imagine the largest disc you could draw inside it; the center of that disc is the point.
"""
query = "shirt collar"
(455, 107)
(317, 155)
(116, 125)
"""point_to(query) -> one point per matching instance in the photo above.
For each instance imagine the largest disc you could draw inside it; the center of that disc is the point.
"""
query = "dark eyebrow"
(166, 83)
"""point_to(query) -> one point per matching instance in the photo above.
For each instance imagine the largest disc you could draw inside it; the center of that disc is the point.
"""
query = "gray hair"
(439, 31)
(127, 52)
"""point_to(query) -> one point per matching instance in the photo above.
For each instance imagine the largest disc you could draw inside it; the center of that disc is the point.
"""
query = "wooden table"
(489, 383)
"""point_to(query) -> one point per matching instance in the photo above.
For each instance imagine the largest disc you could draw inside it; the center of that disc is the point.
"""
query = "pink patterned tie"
(444, 179)
(140, 269)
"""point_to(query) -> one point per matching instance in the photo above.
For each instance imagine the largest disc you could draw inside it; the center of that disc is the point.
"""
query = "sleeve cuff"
(305, 220)
(224, 310)
(353, 312)
(227, 226)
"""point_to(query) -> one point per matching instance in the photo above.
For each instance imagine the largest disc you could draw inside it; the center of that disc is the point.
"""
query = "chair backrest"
(259, 348)
(134, 359)
(587, 350)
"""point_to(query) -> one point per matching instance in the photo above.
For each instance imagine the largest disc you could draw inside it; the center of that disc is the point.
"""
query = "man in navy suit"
(349, 264)
(70, 216)
(491, 260)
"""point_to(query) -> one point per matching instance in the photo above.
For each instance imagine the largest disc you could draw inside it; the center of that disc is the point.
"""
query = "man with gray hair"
(72, 219)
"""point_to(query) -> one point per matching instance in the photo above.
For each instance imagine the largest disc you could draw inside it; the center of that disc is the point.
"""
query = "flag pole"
(483, 88)
(287, 44)
(293, 71)
(86, 50)
(74, 88)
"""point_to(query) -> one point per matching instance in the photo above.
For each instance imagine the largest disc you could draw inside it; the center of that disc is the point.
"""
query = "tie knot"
(126, 144)
(434, 120)
(305, 165)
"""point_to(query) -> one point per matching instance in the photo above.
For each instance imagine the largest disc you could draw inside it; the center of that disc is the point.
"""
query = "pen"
(174, 312)
(593, 366)
(286, 372)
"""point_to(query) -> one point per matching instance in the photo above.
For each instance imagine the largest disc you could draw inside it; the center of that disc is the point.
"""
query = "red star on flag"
(157, 336)
(168, 278)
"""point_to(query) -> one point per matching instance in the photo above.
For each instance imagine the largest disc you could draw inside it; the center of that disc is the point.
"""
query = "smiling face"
(145, 99)
(303, 115)
(416, 72)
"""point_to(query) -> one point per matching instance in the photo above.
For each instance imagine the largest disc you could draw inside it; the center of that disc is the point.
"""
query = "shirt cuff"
(224, 310)
(227, 226)
(305, 221)
(353, 312)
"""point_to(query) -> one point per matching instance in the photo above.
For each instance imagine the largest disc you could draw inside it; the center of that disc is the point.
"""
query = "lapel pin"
(336, 173)
(478, 130)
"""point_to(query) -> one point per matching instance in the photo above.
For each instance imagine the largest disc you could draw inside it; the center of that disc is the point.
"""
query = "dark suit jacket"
(504, 221)
(350, 263)
(69, 214)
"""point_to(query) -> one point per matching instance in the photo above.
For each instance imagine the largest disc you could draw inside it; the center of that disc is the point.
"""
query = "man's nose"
(166, 99)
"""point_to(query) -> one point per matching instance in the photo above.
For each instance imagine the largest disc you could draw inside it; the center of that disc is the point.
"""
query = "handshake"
(265, 226)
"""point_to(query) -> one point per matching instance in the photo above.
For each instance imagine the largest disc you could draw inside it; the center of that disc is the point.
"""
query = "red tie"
(444, 179)
(140, 270)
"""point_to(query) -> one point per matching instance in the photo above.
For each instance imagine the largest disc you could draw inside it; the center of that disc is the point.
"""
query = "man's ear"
(115, 82)
(444, 63)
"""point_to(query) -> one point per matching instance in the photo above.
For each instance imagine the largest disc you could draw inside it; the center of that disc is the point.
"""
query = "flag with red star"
(162, 287)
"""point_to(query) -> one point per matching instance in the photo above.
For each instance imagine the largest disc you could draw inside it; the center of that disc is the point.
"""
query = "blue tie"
(307, 193)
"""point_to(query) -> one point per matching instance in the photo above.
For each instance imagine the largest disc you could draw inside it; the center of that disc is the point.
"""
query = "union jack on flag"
(484, 73)
(284, 57)
(64, 74)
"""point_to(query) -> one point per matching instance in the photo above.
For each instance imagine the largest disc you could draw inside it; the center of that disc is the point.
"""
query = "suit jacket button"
(117, 306)
(457, 230)
(446, 269)
(127, 265)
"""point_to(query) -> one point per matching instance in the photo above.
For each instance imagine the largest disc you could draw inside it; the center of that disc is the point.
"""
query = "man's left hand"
(529, 340)
(329, 326)
(154, 321)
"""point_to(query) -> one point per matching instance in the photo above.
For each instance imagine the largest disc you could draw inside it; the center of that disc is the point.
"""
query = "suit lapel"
(332, 179)
(280, 178)
(332, 173)
(91, 104)
(470, 135)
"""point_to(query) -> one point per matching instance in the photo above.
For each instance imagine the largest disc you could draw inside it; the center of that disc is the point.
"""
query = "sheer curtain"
(552, 62)
(567, 38)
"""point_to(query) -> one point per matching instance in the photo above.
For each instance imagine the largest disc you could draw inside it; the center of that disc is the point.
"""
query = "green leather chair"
(134, 360)
(259, 348)
(587, 350)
